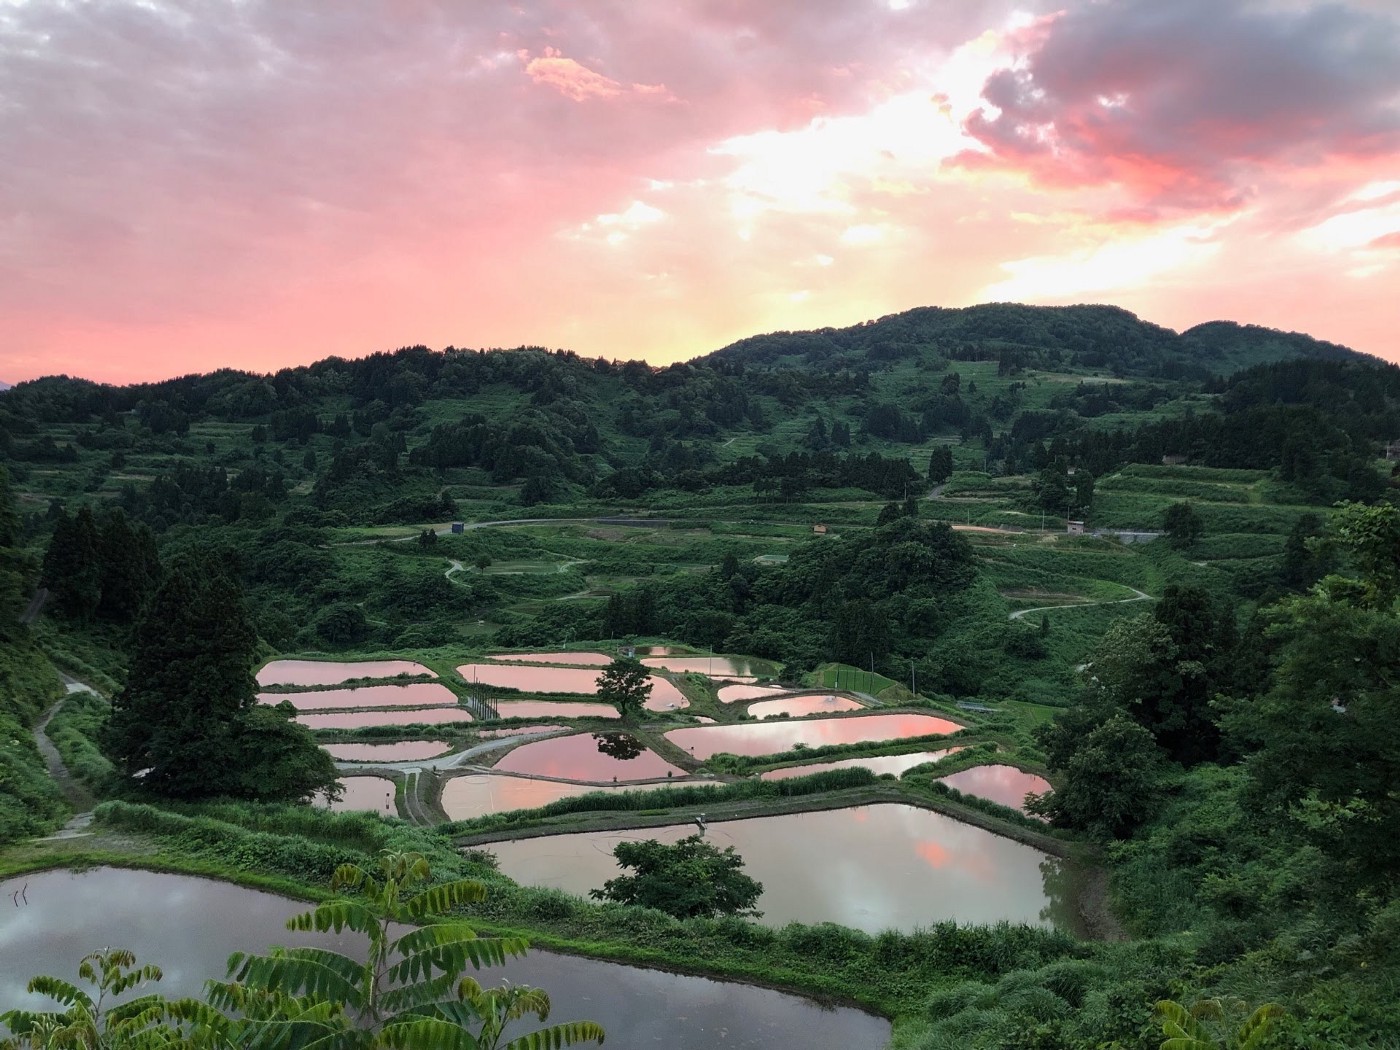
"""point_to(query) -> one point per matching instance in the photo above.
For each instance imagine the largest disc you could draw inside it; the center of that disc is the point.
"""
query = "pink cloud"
(568, 77)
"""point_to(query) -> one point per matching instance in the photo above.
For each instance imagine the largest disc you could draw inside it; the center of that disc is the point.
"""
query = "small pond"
(189, 926)
(739, 667)
(804, 704)
(481, 793)
(414, 694)
(389, 716)
(886, 866)
(553, 709)
(364, 794)
(1004, 784)
(518, 731)
(567, 659)
(394, 751)
(877, 764)
(728, 694)
(330, 672)
(766, 738)
(584, 681)
(598, 757)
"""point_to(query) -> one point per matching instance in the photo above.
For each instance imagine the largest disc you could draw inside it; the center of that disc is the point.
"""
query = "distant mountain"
(1034, 336)
(3, 387)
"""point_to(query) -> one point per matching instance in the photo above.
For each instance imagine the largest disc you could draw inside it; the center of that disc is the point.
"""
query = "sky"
(194, 184)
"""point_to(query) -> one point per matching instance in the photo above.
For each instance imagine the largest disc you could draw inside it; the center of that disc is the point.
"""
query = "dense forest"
(1162, 569)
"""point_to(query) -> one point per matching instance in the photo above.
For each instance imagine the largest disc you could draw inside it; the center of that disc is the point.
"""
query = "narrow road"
(1138, 596)
(74, 792)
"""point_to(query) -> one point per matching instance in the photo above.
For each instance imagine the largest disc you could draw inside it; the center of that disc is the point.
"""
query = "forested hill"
(1035, 337)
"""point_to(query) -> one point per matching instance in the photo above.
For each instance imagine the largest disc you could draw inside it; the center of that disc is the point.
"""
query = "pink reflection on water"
(877, 764)
(398, 751)
(1003, 784)
(389, 716)
(664, 695)
(415, 694)
(578, 758)
(477, 795)
(553, 709)
(804, 704)
(715, 666)
(764, 738)
(568, 659)
(329, 672)
(730, 693)
(364, 794)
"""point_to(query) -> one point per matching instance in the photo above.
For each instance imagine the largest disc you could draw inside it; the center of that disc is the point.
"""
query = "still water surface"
(877, 764)
(189, 926)
(481, 793)
(414, 694)
(804, 704)
(388, 716)
(588, 756)
(1002, 784)
(397, 751)
(329, 672)
(664, 695)
(765, 738)
(886, 866)
(553, 709)
(729, 693)
(740, 667)
(567, 659)
(364, 794)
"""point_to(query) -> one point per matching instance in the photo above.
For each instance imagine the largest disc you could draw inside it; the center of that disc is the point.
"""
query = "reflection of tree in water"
(620, 746)
(1062, 881)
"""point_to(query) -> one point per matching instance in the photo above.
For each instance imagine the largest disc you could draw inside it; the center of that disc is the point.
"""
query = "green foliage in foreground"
(689, 879)
(30, 802)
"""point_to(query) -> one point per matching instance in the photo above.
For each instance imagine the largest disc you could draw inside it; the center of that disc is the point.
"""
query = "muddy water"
(730, 693)
(804, 704)
(189, 927)
(553, 709)
(567, 659)
(599, 757)
(999, 783)
(878, 764)
(365, 794)
(328, 672)
(415, 694)
(765, 738)
(887, 866)
(389, 716)
(398, 751)
(584, 681)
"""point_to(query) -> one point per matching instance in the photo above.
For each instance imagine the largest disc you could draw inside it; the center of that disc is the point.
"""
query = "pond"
(885, 866)
(664, 695)
(728, 694)
(804, 704)
(567, 659)
(331, 672)
(553, 709)
(877, 764)
(766, 738)
(740, 667)
(389, 716)
(189, 926)
(1004, 784)
(598, 757)
(395, 751)
(364, 794)
(415, 694)
(480, 793)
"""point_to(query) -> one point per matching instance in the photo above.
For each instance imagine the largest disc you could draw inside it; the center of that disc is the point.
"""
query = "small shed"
(458, 527)
(819, 529)
(1173, 461)
(1074, 528)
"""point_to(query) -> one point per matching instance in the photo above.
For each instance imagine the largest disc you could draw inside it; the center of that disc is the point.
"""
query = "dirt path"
(74, 792)
(1138, 596)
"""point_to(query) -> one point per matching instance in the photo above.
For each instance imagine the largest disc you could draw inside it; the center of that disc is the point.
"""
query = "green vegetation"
(688, 879)
(626, 684)
(1215, 708)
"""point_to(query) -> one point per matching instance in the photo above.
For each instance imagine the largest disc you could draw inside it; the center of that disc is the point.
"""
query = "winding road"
(1138, 596)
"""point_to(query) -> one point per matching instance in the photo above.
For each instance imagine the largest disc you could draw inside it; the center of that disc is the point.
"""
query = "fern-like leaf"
(426, 1033)
(1256, 1029)
(441, 899)
(559, 1035)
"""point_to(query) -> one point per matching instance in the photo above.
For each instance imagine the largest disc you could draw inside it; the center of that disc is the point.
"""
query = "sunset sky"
(260, 183)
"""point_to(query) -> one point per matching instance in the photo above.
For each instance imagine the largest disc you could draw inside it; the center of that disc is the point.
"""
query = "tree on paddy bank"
(188, 724)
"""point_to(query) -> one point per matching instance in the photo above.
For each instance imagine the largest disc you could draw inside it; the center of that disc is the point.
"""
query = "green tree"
(1200, 1026)
(130, 566)
(940, 464)
(626, 684)
(1110, 783)
(408, 992)
(1182, 525)
(689, 879)
(72, 569)
(188, 725)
